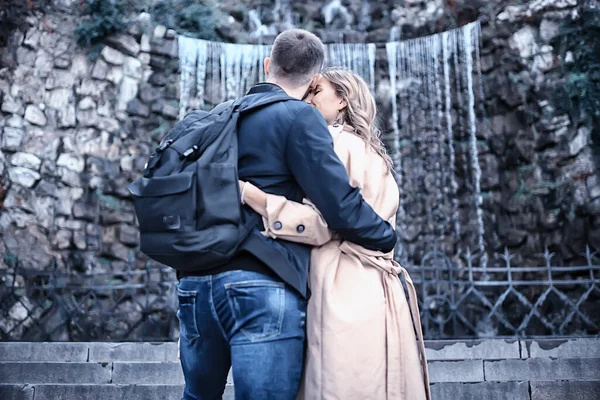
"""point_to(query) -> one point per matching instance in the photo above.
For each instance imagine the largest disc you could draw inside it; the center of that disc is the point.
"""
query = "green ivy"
(194, 18)
(579, 94)
(102, 18)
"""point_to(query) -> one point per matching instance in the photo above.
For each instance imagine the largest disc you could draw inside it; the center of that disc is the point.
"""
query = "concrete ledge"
(129, 392)
(481, 391)
(40, 351)
(15, 372)
(106, 352)
(542, 369)
(456, 371)
(492, 349)
(562, 348)
(16, 392)
(147, 373)
(565, 390)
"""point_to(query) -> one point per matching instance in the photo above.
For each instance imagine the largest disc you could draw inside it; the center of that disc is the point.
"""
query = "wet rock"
(60, 79)
(23, 176)
(112, 56)
(136, 107)
(124, 43)
(133, 68)
(26, 160)
(35, 116)
(128, 235)
(100, 69)
(12, 105)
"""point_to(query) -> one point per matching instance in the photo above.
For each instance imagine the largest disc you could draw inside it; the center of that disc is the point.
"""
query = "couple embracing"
(312, 306)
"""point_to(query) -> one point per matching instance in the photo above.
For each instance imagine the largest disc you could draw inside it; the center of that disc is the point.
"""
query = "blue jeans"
(244, 320)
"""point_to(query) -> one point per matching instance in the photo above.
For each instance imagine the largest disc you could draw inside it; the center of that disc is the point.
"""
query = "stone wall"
(76, 131)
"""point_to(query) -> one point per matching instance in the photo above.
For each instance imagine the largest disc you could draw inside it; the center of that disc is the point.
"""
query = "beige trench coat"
(362, 343)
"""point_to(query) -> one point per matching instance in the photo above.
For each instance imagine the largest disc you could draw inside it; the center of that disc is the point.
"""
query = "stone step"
(544, 390)
(169, 373)
(137, 373)
(85, 392)
(437, 350)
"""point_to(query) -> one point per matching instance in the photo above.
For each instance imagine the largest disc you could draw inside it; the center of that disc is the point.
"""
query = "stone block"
(60, 79)
(125, 43)
(71, 161)
(12, 139)
(133, 68)
(456, 371)
(12, 105)
(168, 373)
(160, 352)
(35, 116)
(129, 392)
(28, 352)
(16, 392)
(561, 390)
(112, 56)
(480, 391)
(472, 349)
(26, 160)
(55, 372)
(23, 176)
(136, 107)
(165, 48)
(542, 369)
(562, 348)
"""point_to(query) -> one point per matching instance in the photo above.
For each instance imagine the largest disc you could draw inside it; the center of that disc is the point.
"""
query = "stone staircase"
(557, 369)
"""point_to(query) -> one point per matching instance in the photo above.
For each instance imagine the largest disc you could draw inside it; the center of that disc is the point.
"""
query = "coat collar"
(265, 87)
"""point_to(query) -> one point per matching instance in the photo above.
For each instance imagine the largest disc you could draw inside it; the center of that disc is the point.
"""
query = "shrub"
(579, 94)
(195, 18)
(102, 18)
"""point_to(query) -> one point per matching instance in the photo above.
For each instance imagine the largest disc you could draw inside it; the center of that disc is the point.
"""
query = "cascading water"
(434, 141)
(435, 155)
(214, 72)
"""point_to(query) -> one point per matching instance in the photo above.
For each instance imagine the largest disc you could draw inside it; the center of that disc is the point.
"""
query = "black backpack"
(188, 200)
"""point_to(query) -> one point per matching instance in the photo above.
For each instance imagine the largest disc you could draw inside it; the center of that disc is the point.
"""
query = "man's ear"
(267, 64)
(314, 81)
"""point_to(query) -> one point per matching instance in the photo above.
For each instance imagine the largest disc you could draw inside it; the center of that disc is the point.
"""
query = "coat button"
(277, 225)
(300, 228)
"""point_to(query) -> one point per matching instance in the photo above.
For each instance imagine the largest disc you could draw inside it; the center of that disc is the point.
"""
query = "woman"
(361, 339)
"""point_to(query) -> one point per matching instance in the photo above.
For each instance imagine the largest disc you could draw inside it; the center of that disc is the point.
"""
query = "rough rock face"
(75, 132)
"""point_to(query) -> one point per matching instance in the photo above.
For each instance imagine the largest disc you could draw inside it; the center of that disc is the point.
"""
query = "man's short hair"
(296, 57)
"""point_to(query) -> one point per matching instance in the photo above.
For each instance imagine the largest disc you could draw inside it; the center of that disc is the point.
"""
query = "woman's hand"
(253, 197)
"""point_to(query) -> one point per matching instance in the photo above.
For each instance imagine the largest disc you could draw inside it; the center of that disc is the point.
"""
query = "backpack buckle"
(161, 147)
(189, 151)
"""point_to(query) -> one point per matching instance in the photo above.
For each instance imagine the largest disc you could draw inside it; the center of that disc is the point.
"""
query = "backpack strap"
(245, 108)
(222, 107)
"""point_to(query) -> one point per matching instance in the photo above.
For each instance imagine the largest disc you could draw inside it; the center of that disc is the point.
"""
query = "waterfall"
(188, 55)
(435, 155)
(213, 72)
(434, 141)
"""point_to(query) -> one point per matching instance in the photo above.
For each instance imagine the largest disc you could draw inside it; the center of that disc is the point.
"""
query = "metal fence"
(458, 300)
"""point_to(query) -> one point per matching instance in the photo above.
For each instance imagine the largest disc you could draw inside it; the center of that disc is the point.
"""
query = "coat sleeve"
(296, 222)
(323, 178)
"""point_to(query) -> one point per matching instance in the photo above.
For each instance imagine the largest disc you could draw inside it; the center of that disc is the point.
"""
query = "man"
(250, 313)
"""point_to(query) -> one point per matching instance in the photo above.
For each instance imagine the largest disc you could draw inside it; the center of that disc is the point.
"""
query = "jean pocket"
(188, 328)
(257, 308)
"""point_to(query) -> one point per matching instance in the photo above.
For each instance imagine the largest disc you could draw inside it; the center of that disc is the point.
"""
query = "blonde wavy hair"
(361, 110)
